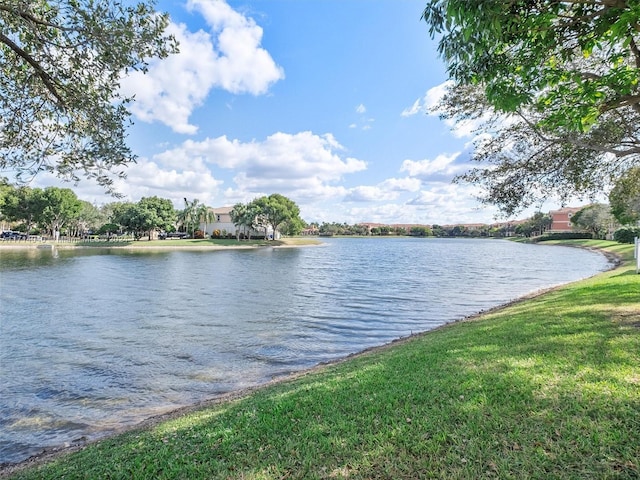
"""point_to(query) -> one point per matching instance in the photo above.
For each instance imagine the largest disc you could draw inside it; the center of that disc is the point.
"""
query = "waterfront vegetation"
(544, 388)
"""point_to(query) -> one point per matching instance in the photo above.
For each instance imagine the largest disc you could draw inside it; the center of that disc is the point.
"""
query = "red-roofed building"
(561, 219)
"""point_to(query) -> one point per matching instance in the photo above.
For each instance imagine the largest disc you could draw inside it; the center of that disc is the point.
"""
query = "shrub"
(563, 236)
(198, 234)
(626, 234)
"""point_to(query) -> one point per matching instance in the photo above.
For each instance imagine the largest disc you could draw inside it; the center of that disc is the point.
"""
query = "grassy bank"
(546, 388)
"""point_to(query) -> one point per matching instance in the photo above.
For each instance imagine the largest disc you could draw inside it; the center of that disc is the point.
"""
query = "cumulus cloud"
(429, 102)
(413, 109)
(460, 128)
(445, 203)
(389, 189)
(406, 184)
(442, 166)
(369, 194)
(280, 156)
(173, 87)
(304, 164)
(148, 178)
(229, 56)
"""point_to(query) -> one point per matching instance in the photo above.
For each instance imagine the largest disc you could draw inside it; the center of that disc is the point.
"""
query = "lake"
(95, 340)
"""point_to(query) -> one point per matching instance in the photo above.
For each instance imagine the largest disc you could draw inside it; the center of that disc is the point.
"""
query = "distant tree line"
(54, 212)
(596, 220)
(333, 228)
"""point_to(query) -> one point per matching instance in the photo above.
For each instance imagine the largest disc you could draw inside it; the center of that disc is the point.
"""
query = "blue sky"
(320, 100)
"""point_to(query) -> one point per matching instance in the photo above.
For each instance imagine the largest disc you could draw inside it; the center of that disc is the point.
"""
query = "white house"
(223, 223)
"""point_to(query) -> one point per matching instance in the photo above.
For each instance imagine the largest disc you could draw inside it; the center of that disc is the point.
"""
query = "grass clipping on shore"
(546, 388)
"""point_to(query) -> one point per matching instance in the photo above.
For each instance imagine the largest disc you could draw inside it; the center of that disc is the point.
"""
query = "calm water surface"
(95, 340)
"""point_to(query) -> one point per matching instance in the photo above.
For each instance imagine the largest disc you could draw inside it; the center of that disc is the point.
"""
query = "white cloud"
(228, 57)
(173, 87)
(429, 102)
(389, 189)
(406, 184)
(460, 128)
(413, 109)
(302, 165)
(441, 165)
(148, 178)
(280, 156)
(364, 123)
(369, 194)
(447, 203)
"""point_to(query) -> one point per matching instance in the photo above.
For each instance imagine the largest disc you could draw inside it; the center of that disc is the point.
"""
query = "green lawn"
(546, 388)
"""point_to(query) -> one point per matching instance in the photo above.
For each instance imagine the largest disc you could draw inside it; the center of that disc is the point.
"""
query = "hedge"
(626, 234)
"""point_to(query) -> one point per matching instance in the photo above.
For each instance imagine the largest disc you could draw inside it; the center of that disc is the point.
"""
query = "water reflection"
(92, 340)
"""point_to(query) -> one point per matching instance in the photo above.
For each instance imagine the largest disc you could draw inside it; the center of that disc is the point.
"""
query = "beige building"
(222, 223)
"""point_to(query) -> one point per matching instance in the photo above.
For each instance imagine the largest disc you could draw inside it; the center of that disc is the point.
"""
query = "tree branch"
(34, 19)
(42, 74)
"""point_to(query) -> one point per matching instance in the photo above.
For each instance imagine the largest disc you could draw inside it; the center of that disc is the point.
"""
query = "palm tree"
(238, 216)
(189, 216)
(205, 215)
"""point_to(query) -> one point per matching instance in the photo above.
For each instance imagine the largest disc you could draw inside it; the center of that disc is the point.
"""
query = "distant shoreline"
(157, 245)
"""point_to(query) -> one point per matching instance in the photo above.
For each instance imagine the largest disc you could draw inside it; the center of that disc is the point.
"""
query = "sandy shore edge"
(144, 245)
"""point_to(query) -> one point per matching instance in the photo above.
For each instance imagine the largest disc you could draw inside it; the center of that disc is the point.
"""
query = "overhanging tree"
(61, 62)
(554, 84)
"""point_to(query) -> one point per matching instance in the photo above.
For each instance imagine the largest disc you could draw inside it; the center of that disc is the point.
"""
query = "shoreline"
(52, 453)
(145, 245)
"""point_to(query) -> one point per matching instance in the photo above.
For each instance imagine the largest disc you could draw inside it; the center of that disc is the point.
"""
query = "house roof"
(566, 210)
(222, 210)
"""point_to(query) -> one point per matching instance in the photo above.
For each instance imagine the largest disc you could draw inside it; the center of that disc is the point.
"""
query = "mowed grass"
(546, 388)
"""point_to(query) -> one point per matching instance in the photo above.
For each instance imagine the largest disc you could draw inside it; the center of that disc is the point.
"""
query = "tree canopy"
(61, 62)
(149, 214)
(596, 219)
(61, 205)
(624, 198)
(243, 216)
(553, 84)
(276, 211)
